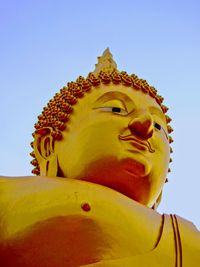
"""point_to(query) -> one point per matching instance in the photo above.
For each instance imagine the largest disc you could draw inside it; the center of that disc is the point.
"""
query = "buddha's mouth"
(140, 144)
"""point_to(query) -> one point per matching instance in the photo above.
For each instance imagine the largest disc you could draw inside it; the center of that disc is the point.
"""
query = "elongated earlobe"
(44, 152)
(156, 204)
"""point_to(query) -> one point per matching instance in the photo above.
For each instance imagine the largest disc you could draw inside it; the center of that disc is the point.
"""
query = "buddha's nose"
(141, 126)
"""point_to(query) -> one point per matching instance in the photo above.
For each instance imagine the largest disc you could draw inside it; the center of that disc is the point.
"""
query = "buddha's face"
(117, 137)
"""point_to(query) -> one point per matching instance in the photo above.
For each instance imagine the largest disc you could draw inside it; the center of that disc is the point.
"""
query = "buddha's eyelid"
(101, 102)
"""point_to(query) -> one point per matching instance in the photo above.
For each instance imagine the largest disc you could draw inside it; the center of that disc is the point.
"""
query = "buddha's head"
(111, 129)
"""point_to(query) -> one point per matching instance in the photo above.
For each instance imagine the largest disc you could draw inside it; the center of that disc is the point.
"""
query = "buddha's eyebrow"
(129, 104)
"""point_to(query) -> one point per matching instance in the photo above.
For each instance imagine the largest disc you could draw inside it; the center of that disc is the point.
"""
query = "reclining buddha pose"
(101, 153)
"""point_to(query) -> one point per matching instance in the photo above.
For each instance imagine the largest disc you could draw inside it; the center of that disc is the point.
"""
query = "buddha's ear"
(44, 152)
(158, 200)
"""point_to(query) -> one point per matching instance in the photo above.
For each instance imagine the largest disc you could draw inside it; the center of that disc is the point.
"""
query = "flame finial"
(105, 63)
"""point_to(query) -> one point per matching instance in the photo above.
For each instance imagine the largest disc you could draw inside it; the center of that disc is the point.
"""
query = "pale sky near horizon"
(45, 44)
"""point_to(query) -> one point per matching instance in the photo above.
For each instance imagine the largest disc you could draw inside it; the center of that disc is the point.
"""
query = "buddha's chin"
(139, 167)
(127, 176)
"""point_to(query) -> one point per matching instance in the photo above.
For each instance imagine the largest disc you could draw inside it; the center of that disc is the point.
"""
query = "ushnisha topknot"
(58, 110)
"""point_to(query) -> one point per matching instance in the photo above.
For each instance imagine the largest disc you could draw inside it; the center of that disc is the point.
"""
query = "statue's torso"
(57, 222)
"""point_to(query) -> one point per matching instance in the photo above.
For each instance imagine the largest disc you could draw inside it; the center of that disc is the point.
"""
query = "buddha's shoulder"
(40, 198)
(66, 191)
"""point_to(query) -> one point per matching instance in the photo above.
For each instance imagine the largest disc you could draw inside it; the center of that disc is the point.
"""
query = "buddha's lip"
(141, 143)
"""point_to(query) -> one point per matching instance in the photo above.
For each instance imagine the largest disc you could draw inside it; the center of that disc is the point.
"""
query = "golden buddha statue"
(101, 153)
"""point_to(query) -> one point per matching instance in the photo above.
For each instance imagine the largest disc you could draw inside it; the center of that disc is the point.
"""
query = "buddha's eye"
(157, 126)
(116, 110)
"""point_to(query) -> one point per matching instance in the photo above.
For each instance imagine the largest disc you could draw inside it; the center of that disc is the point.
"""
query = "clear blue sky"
(45, 44)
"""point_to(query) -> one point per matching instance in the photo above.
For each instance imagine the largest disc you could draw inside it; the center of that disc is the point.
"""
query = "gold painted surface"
(102, 148)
